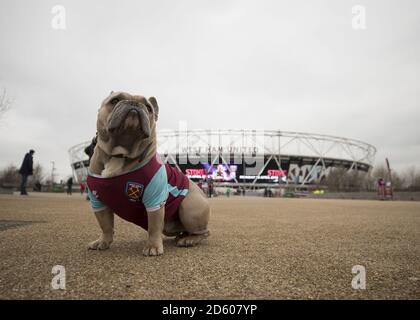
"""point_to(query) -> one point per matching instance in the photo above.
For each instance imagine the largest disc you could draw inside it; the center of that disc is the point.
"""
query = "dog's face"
(125, 122)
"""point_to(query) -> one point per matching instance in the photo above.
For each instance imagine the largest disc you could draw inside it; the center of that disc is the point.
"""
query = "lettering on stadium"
(213, 149)
(277, 173)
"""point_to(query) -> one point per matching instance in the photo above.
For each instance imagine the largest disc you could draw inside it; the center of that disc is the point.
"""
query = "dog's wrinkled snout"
(129, 114)
(132, 119)
(133, 113)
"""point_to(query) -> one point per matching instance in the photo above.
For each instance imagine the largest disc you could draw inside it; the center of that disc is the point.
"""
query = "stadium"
(252, 158)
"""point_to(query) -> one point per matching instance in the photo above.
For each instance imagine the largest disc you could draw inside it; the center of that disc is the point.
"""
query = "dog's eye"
(114, 101)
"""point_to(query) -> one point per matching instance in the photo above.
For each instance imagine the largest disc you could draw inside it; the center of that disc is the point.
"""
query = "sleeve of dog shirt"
(156, 192)
(96, 204)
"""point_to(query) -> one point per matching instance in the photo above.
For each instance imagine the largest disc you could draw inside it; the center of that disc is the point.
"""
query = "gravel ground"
(258, 249)
(398, 195)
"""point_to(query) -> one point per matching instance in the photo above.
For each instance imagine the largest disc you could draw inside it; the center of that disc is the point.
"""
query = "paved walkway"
(259, 248)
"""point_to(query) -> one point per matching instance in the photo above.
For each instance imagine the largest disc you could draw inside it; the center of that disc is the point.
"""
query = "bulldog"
(127, 177)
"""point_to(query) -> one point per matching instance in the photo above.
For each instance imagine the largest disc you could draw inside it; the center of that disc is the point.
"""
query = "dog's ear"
(155, 106)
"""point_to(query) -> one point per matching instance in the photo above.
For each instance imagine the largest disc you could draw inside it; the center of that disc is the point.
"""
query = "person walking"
(69, 185)
(210, 188)
(91, 148)
(26, 170)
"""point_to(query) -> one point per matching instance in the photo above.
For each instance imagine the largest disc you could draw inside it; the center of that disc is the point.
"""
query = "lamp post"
(52, 174)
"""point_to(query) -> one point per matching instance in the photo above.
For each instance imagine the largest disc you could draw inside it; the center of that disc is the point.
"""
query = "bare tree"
(343, 180)
(5, 103)
(412, 178)
(337, 179)
(9, 176)
(399, 181)
(380, 172)
(416, 182)
(38, 175)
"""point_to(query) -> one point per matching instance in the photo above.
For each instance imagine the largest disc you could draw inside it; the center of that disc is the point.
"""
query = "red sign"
(276, 173)
(195, 172)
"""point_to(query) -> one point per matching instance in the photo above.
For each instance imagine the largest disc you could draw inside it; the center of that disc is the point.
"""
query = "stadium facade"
(252, 157)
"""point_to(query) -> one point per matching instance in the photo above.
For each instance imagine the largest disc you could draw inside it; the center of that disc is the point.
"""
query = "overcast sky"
(289, 65)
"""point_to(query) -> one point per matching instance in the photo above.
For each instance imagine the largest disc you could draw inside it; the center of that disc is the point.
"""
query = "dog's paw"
(99, 244)
(186, 240)
(153, 249)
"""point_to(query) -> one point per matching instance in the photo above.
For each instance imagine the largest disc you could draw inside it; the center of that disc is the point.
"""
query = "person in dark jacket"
(89, 152)
(70, 186)
(90, 148)
(26, 170)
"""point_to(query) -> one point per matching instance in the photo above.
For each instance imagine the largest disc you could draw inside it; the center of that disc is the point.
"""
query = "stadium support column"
(262, 169)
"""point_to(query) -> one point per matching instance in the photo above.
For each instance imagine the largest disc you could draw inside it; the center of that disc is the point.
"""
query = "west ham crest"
(95, 193)
(134, 190)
